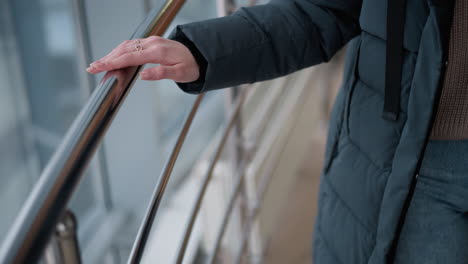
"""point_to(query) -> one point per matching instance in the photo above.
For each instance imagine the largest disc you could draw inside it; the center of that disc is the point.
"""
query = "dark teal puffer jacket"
(370, 162)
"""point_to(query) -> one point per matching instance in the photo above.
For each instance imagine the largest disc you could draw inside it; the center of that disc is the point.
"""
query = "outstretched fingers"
(176, 61)
(132, 58)
(128, 53)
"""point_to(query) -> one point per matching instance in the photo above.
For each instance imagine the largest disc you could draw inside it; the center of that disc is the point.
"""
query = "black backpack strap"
(394, 56)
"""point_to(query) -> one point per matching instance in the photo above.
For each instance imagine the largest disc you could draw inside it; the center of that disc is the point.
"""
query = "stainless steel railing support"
(63, 247)
(52, 253)
(67, 239)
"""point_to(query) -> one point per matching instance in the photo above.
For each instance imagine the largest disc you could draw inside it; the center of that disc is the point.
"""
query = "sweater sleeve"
(267, 41)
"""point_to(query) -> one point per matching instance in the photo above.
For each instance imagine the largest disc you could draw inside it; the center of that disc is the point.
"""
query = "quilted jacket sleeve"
(268, 41)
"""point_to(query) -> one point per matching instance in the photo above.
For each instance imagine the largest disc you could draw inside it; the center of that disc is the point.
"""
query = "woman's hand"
(176, 61)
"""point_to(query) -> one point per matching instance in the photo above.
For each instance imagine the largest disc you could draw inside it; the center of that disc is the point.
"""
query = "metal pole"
(52, 253)
(67, 239)
(63, 247)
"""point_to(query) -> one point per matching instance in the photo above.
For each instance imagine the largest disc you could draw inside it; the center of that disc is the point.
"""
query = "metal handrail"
(49, 198)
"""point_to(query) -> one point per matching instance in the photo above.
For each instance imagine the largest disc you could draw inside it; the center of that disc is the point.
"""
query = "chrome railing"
(48, 200)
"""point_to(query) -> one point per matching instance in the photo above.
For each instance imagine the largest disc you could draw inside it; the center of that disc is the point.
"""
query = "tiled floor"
(292, 243)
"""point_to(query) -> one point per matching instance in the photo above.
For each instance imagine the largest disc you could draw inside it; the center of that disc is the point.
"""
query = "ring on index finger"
(138, 47)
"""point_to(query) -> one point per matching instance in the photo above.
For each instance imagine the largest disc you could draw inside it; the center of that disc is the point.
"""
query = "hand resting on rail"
(175, 60)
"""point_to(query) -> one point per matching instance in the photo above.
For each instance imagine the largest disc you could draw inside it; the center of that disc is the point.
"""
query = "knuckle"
(153, 39)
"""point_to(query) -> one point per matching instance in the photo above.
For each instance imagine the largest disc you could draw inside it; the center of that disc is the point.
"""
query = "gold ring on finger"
(138, 48)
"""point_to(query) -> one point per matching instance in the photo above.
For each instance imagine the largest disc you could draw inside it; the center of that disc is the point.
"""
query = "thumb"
(161, 72)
